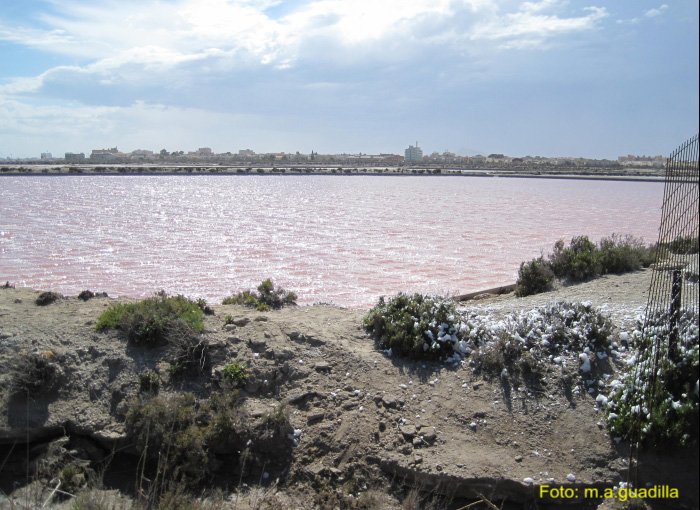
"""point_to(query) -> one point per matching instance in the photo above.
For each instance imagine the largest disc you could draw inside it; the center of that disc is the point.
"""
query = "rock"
(389, 401)
(408, 430)
(430, 437)
(322, 367)
(417, 441)
(230, 327)
(314, 417)
(257, 344)
(252, 386)
(261, 318)
(241, 322)
(300, 396)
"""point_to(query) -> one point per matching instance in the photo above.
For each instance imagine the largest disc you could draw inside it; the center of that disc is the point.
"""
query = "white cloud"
(652, 13)
(525, 29)
(154, 34)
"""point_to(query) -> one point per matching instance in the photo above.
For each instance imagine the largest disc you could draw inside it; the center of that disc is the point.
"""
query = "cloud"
(525, 29)
(651, 13)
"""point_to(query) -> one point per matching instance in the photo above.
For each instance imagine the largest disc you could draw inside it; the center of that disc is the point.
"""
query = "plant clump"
(46, 298)
(235, 374)
(522, 343)
(268, 297)
(33, 374)
(189, 438)
(416, 327)
(582, 259)
(155, 321)
(657, 404)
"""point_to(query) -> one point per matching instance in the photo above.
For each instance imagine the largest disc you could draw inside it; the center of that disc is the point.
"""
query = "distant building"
(75, 158)
(413, 154)
(46, 155)
(104, 155)
(246, 152)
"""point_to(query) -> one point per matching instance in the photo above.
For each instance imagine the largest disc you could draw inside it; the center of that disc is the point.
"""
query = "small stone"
(261, 318)
(241, 322)
(519, 458)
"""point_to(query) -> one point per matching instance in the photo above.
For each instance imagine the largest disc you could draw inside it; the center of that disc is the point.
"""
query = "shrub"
(534, 277)
(154, 321)
(618, 254)
(46, 298)
(235, 374)
(33, 374)
(575, 262)
(183, 434)
(86, 295)
(416, 327)
(7, 285)
(521, 342)
(267, 297)
(202, 304)
(149, 382)
(658, 405)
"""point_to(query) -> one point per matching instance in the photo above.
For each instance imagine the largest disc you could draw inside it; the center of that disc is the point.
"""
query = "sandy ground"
(364, 416)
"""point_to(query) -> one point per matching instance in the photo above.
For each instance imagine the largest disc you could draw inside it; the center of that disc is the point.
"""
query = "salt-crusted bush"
(522, 342)
(416, 327)
(659, 406)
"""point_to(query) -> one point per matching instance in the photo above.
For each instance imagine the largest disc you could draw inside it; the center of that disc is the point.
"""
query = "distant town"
(413, 157)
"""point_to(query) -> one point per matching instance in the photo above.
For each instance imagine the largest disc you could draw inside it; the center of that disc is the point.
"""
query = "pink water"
(341, 239)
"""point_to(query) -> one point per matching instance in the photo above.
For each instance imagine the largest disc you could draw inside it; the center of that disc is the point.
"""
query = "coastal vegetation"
(268, 297)
(415, 327)
(582, 259)
(155, 321)
(657, 405)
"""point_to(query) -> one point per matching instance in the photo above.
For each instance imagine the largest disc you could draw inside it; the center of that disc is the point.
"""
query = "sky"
(590, 78)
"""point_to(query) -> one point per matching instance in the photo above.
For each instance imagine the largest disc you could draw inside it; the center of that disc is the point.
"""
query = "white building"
(413, 153)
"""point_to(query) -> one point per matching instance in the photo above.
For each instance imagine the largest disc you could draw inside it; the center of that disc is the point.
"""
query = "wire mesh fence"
(666, 373)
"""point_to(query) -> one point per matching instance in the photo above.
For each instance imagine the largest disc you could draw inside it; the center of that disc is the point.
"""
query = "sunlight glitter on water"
(343, 239)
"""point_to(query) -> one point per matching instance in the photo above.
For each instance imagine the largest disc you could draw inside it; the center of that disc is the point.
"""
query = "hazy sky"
(592, 78)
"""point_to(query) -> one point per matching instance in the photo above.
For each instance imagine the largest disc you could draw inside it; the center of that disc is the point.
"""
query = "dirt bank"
(364, 417)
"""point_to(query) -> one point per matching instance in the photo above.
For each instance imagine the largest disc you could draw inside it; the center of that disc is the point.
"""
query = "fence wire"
(671, 317)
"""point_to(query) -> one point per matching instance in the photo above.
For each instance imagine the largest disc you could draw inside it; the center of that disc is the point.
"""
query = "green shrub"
(618, 254)
(575, 262)
(235, 374)
(46, 298)
(682, 245)
(183, 434)
(534, 277)
(416, 327)
(583, 259)
(268, 297)
(154, 321)
(149, 382)
(658, 405)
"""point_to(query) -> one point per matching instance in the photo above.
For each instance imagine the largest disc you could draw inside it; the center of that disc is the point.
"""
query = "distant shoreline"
(602, 174)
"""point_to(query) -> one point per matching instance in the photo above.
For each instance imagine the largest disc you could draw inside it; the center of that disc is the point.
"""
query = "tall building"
(413, 153)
